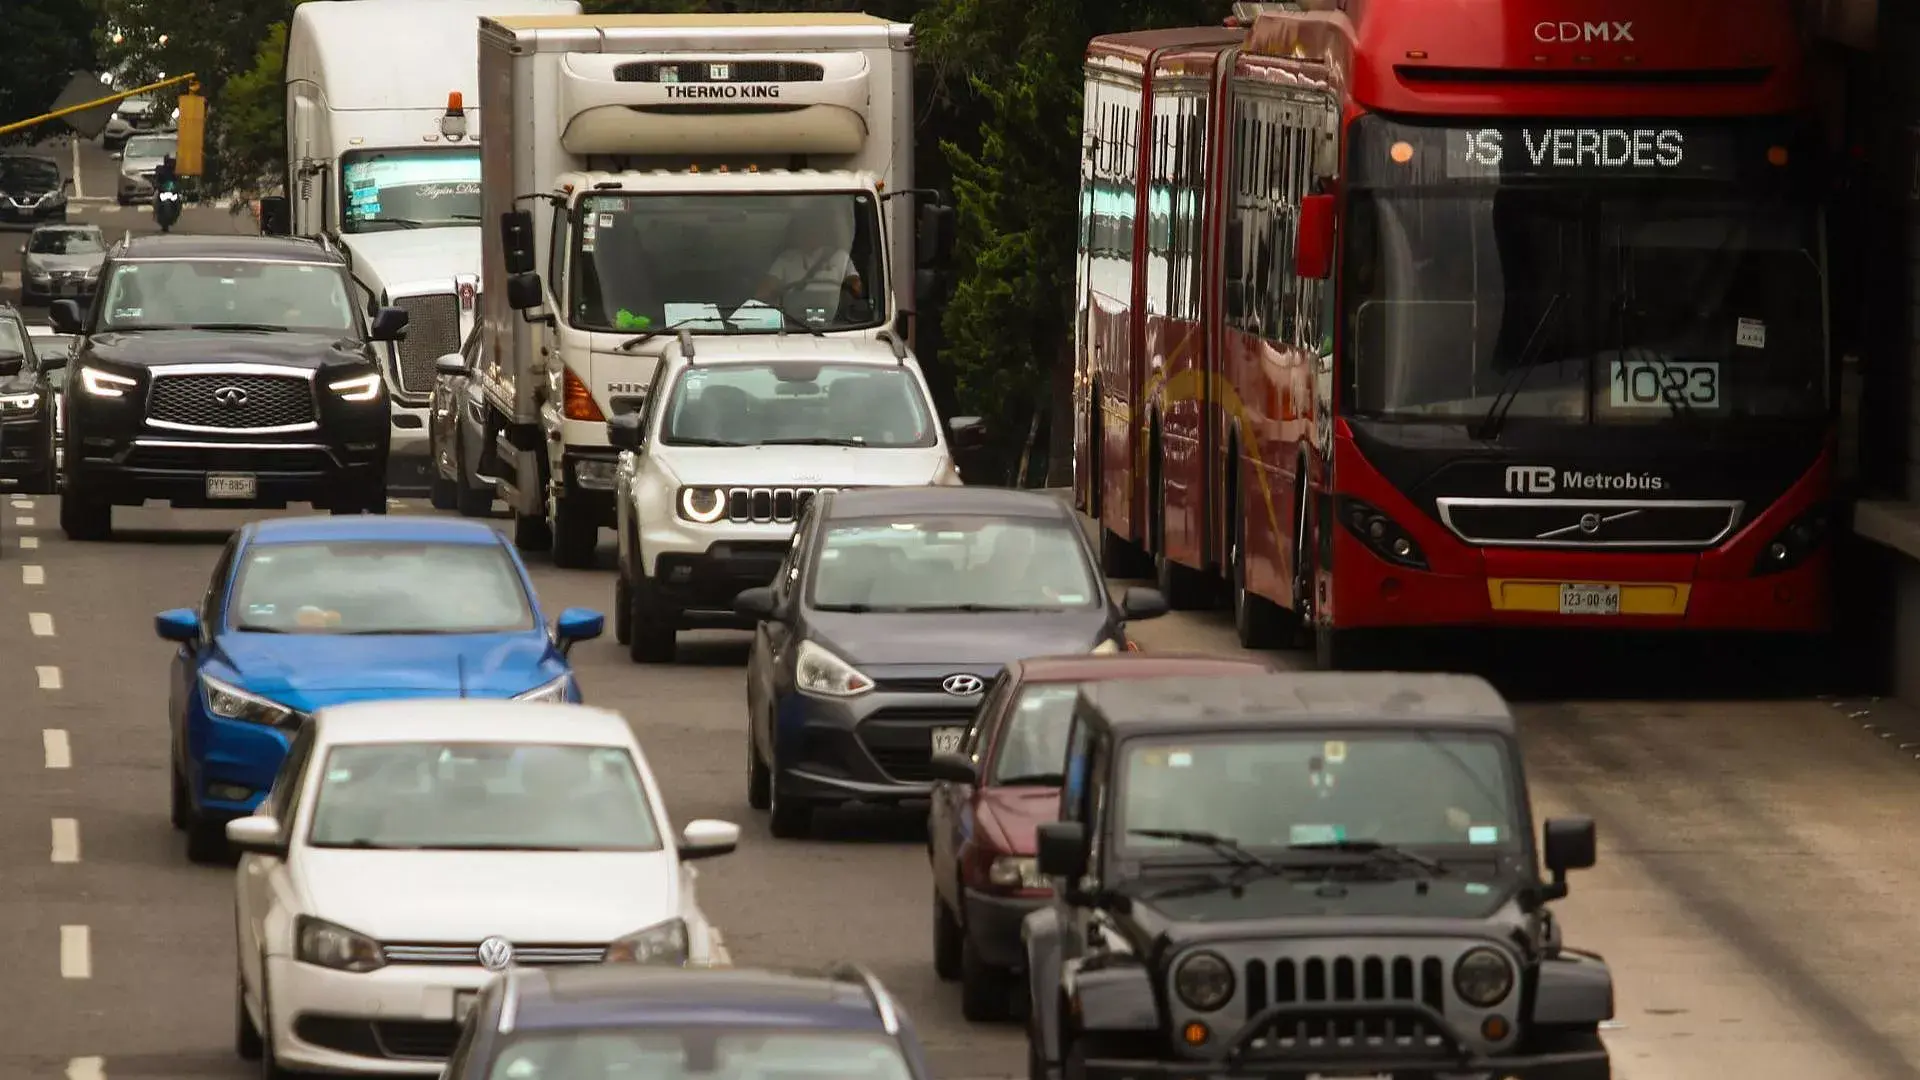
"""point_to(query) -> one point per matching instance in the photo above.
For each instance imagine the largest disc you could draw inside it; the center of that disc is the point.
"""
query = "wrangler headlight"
(229, 702)
(1204, 981)
(665, 943)
(1483, 978)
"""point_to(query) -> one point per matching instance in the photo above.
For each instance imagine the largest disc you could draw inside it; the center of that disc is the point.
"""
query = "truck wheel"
(472, 501)
(652, 634)
(531, 534)
(985, 991)
(85, 518)
(622, 609)
(576, 535)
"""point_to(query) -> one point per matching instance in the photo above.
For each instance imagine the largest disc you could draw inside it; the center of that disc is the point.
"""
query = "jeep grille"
(1384, 980)
(762, 505)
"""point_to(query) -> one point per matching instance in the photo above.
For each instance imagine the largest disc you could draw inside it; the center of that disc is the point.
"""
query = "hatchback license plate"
(232, 486)
(946, 740)
(1589, 599)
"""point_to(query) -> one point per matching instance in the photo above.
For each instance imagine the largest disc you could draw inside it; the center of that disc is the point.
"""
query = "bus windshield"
(1600, 274)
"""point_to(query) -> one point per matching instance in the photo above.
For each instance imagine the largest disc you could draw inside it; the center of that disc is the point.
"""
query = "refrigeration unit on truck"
(383, 156)
(643, 175)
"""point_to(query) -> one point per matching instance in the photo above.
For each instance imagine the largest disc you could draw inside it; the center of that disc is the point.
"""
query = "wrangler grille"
(1347, 980)
(231, 402)
(702, 71)
(433, 331)
(764, 504)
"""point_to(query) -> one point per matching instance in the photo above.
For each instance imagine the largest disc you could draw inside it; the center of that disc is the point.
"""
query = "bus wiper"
(1674, 396)
(1496, 418)
(1225, 846)
(1376, 850)
(636, 342)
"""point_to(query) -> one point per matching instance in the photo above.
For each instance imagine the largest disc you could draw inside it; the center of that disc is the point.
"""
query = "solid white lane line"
(33, 575)
(59, 749)
(29, 542)
(79, 187)
(76, 953)
(41, 622)
(87, 1068)
(48, 675)
(24, 521)
(66, 840)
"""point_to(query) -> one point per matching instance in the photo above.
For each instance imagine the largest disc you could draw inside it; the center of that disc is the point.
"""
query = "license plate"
(1349, 1076)
(232, 486)
(1589, 599)
(946, 740)
(463, 1003)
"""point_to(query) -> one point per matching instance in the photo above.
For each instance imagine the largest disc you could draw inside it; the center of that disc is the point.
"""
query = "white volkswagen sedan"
(409, 850)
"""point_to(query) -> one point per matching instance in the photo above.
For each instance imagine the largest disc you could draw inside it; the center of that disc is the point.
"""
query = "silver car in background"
(137, 163)
(48, 343)
(61, 262)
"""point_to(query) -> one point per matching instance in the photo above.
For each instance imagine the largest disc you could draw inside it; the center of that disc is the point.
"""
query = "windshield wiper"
(238, 326)
(1496, 418)
(642, 339)
(364, 844)
(1045, 779)
(699, 440)
(1225, 846)
(817, 440)
(920, 608)
(1376, 850)
(506, 847)
(249, 628)
(405, 223)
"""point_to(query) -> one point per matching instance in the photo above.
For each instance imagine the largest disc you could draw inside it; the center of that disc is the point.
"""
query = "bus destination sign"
(1588, 151)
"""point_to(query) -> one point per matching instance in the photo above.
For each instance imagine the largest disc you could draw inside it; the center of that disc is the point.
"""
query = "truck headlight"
(105, 383)
(323, 944)
(229, 702)
(665, 943)
(1204, 981)
(817, 671)
(359, 388)
(703, 505)
(1483, 978)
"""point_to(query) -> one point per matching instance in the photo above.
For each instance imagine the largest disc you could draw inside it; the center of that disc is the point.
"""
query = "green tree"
(46, 41)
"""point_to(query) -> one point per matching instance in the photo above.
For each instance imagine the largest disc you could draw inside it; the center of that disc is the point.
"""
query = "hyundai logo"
(962, 685)
(230, 397)
(496, 954)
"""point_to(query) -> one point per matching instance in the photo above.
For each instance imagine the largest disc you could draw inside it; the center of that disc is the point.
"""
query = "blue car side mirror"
(179, 624)
(578, 624)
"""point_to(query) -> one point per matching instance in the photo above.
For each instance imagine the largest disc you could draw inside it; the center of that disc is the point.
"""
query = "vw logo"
(496, 954)
(1589, 523)
(962, 685)
(231, 397)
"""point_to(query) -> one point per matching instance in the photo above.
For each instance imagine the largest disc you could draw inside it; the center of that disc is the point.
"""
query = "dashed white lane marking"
(24, 521)
(29, 542)
(59, 749)
(23, 502)
(41, 622)
(76, 953)
(49, 676)
(66, 840)
(79, 184)
(87, 1068)
(33, 575)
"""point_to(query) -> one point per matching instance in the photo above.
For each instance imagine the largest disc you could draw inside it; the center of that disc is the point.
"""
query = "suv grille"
(762, 505)
(231, 402)
(433, 331)
(702, 71)
(1347, 980)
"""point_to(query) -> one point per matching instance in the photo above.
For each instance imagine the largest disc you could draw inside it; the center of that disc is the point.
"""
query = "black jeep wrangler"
(1306, 875)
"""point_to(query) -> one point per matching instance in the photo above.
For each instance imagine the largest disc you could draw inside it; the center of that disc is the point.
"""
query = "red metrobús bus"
(1399, 317)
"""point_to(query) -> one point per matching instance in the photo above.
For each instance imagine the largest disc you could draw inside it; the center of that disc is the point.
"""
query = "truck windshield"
(1613, 273)
(409, 189)
(735, 263)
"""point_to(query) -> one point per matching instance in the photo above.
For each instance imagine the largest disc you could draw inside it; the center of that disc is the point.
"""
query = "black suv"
(223, 371)
(1298, 875)
(26, 407)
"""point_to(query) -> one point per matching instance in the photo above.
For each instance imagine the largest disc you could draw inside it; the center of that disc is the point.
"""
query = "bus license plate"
(1589, 599)
(946, 740)
(232, 486)
(463, 1004)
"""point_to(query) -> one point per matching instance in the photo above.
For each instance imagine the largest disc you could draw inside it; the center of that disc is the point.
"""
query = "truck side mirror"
(935, 240)
(1313, 248)
(523, 291)
(929, 286)
(516, 243)
(276, 216)
(625, 431)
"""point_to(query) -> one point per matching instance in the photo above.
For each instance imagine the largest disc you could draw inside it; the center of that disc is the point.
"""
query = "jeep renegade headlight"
(703, 505)
(1204, 981)
(1484, 978)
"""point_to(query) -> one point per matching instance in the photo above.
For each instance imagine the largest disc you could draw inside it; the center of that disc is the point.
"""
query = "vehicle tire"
(622, 608)
(531, 534)
(759, 777)
(1186, 589)
(788, 819)
(182, 806)
(653, 636)
(443, 493)
(48, 480)
(247, 1042)
(949, 940)
(83, 518)
(985, 990)
(576, 535)
(1259, 623)
(207, 842)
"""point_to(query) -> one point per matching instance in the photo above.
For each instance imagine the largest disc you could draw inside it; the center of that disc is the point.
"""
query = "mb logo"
(1530, 479)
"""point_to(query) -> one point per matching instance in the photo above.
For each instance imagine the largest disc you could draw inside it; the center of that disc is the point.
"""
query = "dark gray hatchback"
(891, 613)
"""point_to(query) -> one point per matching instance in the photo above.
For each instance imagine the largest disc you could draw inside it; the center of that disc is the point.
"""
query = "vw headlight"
(1204, 981)
(20, 402)
(323, 944)
(817, 671)
(662, 944)
(554, 692)
(1484, 978)
(105, 383)
(1107, 647)
(703, 505)
(1016, 872)
(358, 388)
(232, 703)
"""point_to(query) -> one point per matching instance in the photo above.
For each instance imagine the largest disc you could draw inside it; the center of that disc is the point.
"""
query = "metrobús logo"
(1546, 480)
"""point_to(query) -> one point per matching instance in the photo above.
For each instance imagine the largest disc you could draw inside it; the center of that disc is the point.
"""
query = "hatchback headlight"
(105, 383)
(1484, 977)
(665, 943)
(703, 505)
(554, 692)
(1016, 872)
(229, 702)
(323, 944)
(359, 388)
(817, 671)
(1204, 981)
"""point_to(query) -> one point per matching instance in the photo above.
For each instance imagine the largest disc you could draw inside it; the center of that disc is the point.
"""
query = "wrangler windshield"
(1599, 274)
(745, 263)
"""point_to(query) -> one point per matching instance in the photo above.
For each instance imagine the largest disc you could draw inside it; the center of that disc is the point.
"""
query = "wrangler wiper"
(1226, 846)
(1376, 850)
(1496, 418)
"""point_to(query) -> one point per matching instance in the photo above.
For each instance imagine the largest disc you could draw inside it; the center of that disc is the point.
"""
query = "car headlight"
(1204, 981)
(703, 505)
(665, 943)
(554, 692)
(232, 703)
(1107, 647)
(1484, 977)
(323, 944)
(34, 273)
(1016, 872)
(817, 671)
(105, 383)
(359, 388)
(19, 402)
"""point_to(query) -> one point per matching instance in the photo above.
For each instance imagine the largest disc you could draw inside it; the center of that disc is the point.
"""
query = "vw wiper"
(1224, 845)
(636, 342)
(239, 326)
(816, 440)
(1496, 418)
(1377, 850)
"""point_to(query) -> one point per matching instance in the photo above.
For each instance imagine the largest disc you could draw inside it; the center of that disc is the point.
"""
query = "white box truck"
(643, 175)
(383, 157)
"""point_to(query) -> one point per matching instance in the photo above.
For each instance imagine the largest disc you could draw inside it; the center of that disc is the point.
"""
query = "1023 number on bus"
(1637, 384)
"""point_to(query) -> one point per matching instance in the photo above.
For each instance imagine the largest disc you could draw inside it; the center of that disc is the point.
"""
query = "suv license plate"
(1589, 599)
(946, 740)
(232, 486)
(463, 1003)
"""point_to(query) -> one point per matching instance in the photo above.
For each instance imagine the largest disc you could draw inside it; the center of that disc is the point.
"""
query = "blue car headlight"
(554, 692)
(229, 702)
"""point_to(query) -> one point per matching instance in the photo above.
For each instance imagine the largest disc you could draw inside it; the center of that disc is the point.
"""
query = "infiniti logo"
(962, 685)
(496, 954)
(231, 397)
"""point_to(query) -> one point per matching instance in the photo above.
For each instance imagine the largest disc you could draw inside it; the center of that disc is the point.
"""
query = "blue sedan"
(304, 613)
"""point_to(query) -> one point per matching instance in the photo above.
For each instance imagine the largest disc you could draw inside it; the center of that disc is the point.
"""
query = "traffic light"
(189, 154)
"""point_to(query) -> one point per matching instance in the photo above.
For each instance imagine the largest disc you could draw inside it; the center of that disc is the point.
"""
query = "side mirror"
(259, 835)
(1140, 602)
(705, 838)
(66, 184)
(450, 365)
(1313, 248)
(626, 431)
(65, 316)
(953, 767)
(967, 432)
(1062, 849)
(118, 155)
(755, 603)
(523, 291)
(276, 215)
(516, 241)
(1567, 844)
(929, 286)
(53, 362)
(934, 242)
(11, 364)
(577, 624)
(389, 324)
(179, 624)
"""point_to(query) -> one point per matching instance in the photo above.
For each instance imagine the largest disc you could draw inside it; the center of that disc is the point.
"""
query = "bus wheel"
(1258, 622)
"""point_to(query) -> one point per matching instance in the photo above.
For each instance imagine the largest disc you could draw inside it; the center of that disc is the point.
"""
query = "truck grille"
(1590, 524)
(433, 331)
(704, 71)
(763, 505)
(231, 402)
(1347, 980)
(523, 955)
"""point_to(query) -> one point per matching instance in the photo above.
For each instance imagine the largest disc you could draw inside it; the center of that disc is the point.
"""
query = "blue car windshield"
(379, 587)
(703, 1054)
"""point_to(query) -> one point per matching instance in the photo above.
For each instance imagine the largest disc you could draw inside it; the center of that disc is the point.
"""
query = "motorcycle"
(166, 208)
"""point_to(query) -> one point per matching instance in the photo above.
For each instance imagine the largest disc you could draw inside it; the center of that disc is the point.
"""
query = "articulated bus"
(1397, 315)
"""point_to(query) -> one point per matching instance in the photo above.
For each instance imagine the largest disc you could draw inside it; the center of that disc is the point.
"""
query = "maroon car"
(990, 796)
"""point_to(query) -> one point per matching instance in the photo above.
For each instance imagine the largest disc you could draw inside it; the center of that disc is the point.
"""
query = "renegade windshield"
(799, 403)
(1596, 273)
(699, 1053)
(367, 587)
(240, 294)
(409, 189)
(744, 263)
(960, 564)
(1280, 789)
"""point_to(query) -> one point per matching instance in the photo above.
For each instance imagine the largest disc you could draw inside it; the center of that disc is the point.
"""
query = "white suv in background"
(736, 435)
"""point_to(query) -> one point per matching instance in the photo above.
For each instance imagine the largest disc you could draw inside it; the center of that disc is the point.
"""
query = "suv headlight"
(817, 671)
(20, 402)
(359, 388)
(232, 703)
(1204, 981)
(1016, 872)
(703, 505)
(554, 692)
(665, 943)
(105, 383)
(1483, 978)
(323, 944)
